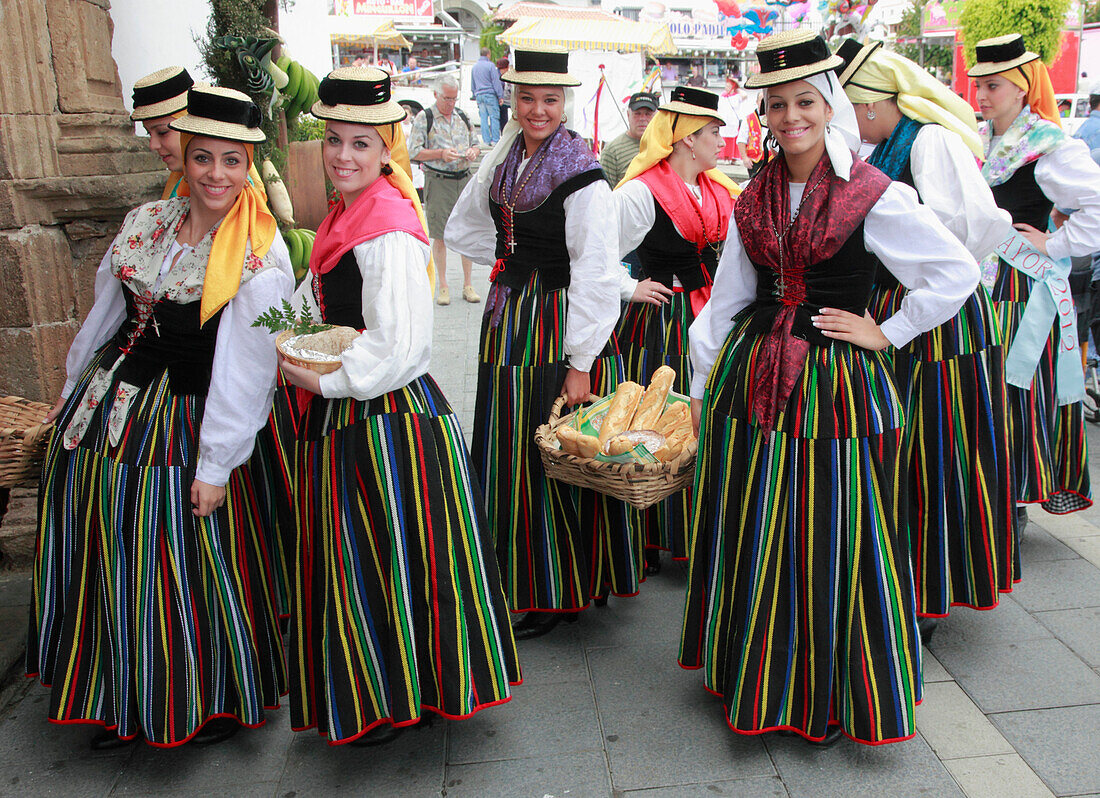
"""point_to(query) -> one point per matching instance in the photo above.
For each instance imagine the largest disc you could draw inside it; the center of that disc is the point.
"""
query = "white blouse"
(906, 236)
(591, 237)
(242, 378)
(1071, 180)
(396, 344)
(949, 181)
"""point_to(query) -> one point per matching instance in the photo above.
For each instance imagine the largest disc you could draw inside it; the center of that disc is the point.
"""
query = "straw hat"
(161, 94)
(360, 95)
(1000, 54)
(694, 102)
(221, 114)
(854, 56)
(541, 68)
(791, 55)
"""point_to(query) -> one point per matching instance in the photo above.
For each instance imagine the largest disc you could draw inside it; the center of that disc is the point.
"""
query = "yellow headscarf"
(249, 220)
(393, 136)
(919, 95)
(664, 130)
(1034, 79)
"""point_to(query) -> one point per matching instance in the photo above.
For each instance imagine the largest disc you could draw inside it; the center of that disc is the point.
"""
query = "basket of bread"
(303, 340)
(635, 445)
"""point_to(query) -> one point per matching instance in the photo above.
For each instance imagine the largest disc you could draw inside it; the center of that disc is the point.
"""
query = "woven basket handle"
(36, 433)
(559, 403)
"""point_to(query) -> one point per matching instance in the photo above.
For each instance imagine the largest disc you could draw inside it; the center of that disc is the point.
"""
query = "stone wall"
(70, 168)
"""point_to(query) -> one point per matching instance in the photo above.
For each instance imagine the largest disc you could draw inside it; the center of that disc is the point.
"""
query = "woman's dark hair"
(502, 63)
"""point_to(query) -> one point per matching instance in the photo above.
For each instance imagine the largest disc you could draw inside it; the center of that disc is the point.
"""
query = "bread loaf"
(625, 441)
(653, 403)
(674, 444)
(574, 442)
(675, 416)
(623, 404)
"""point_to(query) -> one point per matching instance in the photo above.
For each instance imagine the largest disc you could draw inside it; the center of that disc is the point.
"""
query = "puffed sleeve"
(106, 316)
(592, 239)
(949, 182)
(734, 288)
(242, 379)
(396, 345)
(635, 205)
(925, 257)
(1071, 179)
(470, 230)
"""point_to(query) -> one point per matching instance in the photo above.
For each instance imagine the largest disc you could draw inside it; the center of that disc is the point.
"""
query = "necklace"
(714, 245)
(508, 201)
(781, 285)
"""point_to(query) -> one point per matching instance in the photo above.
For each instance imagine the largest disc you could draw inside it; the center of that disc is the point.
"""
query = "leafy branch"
(300, 322)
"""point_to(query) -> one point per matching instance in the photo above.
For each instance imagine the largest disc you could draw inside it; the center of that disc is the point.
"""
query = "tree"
(488, 38)
(934, 57)
(1039, 21)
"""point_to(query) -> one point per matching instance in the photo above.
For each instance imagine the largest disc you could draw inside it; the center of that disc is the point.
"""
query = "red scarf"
(380, 209)
(826, 220)
(703, 225)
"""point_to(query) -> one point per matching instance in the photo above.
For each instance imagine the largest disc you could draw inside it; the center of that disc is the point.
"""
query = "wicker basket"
(320, 366)
(23, 439)
(637, 484)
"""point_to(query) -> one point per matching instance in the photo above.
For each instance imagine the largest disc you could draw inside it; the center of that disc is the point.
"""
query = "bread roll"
(653, 403)
(574, 442)
(623, 404)
(676, 415)
(625, 441)
(674, 444)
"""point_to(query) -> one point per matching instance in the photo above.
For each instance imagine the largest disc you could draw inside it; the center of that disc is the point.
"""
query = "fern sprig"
(276, 319)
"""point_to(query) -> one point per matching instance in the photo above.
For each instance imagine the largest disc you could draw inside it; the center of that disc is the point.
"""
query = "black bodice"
(843, 281)
(1021, 196)
(173, 341)
(539, 236)
(339, 293)
(664, 253)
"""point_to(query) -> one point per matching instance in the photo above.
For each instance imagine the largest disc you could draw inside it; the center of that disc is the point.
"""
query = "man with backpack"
(443, 142)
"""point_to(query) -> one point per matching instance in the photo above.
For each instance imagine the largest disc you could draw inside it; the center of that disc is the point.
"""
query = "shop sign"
(420, 10)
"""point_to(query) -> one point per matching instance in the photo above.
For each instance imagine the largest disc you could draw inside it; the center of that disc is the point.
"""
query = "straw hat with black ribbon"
(1007, 56)
(226, 114)
(163, 93)
(693, 102)
(854, 56)
(791, 55)
(540, 68)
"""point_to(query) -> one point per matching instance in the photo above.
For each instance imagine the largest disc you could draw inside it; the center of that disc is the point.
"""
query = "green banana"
(294, 246)
(294, 81)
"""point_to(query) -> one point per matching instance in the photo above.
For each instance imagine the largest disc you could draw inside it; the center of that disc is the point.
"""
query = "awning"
(524, 9)
(366, 31)
(623, 36)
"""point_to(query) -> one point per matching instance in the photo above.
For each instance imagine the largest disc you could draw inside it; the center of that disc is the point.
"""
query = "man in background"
(489, 93)
(620, 151)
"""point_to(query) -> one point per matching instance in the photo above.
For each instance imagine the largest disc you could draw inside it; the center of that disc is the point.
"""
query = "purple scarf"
(560, 157)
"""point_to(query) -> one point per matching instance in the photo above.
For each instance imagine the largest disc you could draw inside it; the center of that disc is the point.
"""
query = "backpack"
(430, 118)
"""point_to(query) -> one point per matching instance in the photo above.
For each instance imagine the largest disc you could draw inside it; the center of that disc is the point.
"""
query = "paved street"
(1012, 701)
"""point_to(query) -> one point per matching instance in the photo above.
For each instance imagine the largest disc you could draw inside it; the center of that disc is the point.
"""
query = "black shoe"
(601, 599)
(216, 730)
(380, 735)
(831, 738)
(927, 626)
(536, 624)
(1021, 522)
(652, 562)
(108, 740)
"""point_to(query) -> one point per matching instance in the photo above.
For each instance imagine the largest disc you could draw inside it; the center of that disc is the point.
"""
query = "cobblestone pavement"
(1012, 701)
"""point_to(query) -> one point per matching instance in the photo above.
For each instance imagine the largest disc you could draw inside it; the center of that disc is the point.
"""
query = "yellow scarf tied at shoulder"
(1034, 78)
(393, 136)
(664, 130)
(249, 220)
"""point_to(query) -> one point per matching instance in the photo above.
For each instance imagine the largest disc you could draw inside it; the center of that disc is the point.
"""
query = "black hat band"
(797, 55)
(849, 49)
(691, 96)
(165, 90)
(340, 91)
(998, 53)
(536, 61)
(222, 109)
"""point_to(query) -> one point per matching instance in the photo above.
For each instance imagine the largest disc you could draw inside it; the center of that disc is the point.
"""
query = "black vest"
(664, 253)
(174, 343)
(1021, 196)
(540, 237)
(339, 293)
(843, 281)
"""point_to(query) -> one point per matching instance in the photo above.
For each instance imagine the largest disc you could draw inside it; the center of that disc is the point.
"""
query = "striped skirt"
(397, 605)
(272, 468)
(961, 513)
(145, 618)
(1049, 453)
(651, 336)
(557, 545)
(800, 602)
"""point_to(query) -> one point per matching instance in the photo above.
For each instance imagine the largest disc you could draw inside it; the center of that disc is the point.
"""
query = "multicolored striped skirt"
(557, 545)
(651, 336)
(145, 618)
(800, 602)
(1049, 452)
(397, 600)
(272, 467)
(962, 506)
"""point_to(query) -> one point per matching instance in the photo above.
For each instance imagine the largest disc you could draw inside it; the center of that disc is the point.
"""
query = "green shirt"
(617, 155)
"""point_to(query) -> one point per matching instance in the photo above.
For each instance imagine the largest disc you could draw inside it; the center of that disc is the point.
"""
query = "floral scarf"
(1027, 139)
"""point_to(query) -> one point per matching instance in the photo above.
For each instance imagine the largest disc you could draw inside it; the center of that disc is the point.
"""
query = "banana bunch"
(300, 243)
(299, 90)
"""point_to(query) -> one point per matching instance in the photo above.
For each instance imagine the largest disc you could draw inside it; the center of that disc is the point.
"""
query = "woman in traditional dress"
(674, 208)
(398, 606)
(540, 208)
(158, 99)
(961, 512)
(1032, 165)
(153, 609)
(800, 597)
